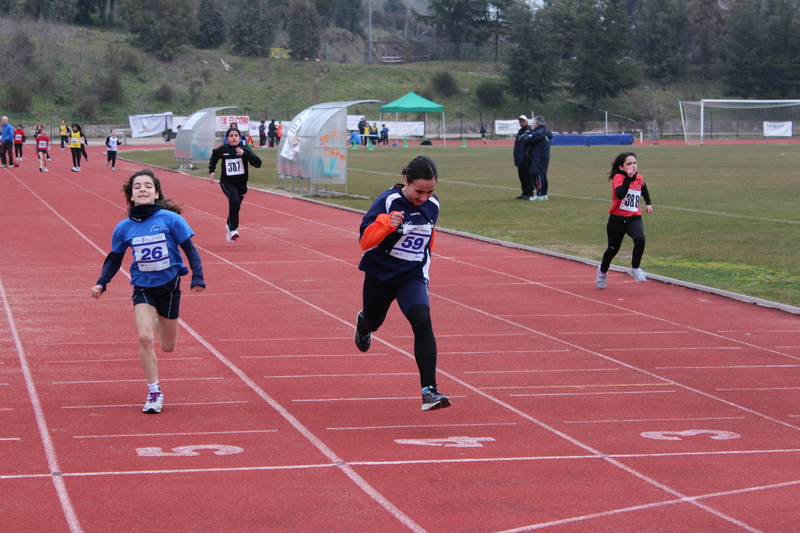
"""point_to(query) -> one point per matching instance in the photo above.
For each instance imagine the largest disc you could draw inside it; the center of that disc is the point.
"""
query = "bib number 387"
(151, 252)
(411, 246)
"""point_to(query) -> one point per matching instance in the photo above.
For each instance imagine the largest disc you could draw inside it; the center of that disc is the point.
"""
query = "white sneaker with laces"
(638, 274)
(155, 400)
(601, 278)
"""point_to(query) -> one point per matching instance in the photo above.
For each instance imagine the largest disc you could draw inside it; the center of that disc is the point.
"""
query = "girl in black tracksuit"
(236, 158)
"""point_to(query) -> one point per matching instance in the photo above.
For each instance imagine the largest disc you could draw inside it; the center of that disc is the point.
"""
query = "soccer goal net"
(738, 119)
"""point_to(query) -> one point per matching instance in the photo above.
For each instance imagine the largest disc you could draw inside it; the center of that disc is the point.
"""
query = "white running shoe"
(155, 400)
(638, 274)
(600, 280)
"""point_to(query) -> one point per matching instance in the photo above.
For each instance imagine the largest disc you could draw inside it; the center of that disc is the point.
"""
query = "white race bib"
(42, 145)
(17, 136)
(151, 252)
(411, 246)
(234, 167)
(75, 142)
(631, 201)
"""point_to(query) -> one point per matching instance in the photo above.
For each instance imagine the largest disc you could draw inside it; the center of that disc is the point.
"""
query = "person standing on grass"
(262, 134)
(236, 159)
(397, 234)
(522, 159)
(156, 233)
(75, 143)
(625, 216)
(112, 143)
(538, 142)
(42, 146)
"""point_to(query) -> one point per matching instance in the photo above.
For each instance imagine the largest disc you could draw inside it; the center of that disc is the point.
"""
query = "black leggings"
(378, 297)
(112, 157)
(617, 228)
(76, 157)
(18, 149)
(525, 181)
(235, 196)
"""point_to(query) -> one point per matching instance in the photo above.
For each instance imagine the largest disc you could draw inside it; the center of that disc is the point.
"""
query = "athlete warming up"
(154, 230)
(625, 216)
(236, 157)
(398, 233)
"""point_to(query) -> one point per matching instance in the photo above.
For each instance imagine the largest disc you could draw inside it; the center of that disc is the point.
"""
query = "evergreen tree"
(251, 31)
(160, 26)
(661, 30)
(742, 49)
(531, 71)
(456, 20)
(212, 29)
(601, 67)
(781, 72)
(705, 30)
(304, 29)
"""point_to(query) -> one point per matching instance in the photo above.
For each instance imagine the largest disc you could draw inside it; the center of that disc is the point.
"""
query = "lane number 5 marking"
(189, 451)
(676, 435)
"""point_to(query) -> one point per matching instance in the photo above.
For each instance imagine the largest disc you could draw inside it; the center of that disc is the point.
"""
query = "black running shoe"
(431, 399)
(363, 342)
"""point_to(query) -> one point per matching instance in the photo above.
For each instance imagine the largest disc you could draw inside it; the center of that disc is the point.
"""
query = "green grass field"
(724, 216)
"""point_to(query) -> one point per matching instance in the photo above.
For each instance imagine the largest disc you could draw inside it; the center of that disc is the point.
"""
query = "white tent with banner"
(197, 137)
(314, 146)
(147, 125)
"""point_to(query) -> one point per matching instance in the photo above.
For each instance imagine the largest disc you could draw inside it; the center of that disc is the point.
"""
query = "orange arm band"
(376, 232)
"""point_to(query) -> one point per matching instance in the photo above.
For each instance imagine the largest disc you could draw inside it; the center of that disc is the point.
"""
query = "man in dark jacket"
(538, 142)
(522, 159)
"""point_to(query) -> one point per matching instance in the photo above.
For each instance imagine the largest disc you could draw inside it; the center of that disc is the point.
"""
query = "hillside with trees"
(481, 58)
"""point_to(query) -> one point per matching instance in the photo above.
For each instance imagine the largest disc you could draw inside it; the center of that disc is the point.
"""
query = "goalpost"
(738, 119)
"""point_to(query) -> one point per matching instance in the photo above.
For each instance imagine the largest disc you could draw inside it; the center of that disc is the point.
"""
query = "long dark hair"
(618, 162)
(420, 168)
(165, 203)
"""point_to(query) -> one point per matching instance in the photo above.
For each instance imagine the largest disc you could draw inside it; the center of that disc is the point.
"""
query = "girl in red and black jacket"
(19, 141)
(236, 158)
(625, 215)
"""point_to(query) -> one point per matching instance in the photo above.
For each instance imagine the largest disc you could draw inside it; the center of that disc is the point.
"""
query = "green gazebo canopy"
(412, 103)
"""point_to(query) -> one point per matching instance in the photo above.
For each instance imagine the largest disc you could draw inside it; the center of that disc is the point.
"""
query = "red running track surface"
(642, 408)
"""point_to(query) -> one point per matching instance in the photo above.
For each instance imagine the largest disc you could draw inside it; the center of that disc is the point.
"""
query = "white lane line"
(113, 406)
(722, 367)
(371, 354)
(240, 432)
(761, 389)
(623, 333)
(477, 424)
(593, 393)
(496, 352)
(543, 371)
(344, 375)
(44, 432)
(10, 438)
(125, 381)
(629, 420)
(673, 348)
(366, 399)
(126, 360)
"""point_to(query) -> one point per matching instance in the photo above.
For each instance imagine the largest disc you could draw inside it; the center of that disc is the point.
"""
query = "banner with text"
(506, 127)
(778, 129)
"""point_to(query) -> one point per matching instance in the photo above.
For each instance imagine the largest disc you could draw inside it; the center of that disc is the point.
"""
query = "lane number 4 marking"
(449, 442)
(676, 435)
(189, 451)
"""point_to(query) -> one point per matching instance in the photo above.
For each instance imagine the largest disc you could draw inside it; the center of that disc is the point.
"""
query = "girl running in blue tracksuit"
(154, 230)
(398, 235)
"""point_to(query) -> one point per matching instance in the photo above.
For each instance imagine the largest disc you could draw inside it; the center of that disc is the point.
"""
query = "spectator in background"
(279, 132)
(483, 134)
(262, 135)
(384, 135)
(522, 159)
(538, 142)
(19, 141)
(355, 138)
(272, 133)
(7, 140)
(63, 130)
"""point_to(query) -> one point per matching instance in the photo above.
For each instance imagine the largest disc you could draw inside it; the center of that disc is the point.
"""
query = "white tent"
(314, 146)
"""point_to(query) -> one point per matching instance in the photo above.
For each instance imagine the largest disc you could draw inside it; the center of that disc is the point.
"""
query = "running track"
(642, 408)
